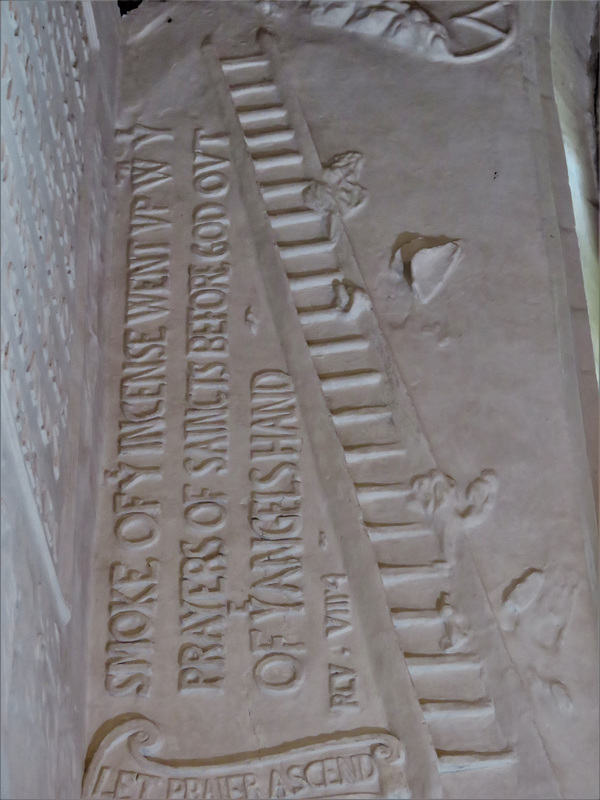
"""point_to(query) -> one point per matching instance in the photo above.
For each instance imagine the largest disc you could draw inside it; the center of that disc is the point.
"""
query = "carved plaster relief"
(126, 764)
(478, 31)
(289, 598)
(539, 605)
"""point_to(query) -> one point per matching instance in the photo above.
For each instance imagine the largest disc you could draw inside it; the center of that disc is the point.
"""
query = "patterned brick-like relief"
(47, 103)
(57, 116)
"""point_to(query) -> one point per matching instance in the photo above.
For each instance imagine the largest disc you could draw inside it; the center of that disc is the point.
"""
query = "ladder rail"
(405, 717)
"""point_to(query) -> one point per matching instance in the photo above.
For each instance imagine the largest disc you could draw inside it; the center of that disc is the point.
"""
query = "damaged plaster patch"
(540, 603)
(425, 262)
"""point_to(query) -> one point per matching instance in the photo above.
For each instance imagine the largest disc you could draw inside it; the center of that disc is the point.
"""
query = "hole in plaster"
(128, 5)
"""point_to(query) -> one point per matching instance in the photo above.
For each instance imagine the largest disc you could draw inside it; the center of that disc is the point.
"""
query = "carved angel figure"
(467, 34)
(436, 489)
(479, 498)
(455, 634)
(339, 193)
(431, 491)
(404, 22)
(349, 298)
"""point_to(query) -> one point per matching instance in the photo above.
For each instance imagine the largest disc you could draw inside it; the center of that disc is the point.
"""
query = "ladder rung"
(282, 136)
(265, 114)
(306, 248)
(414, 616)
(231, 64)
(438, 709)
(355, 454)
(347, 344)
(460, 762)
(379, 533)
(280, 160)
(294, 218)
(442, 662)
(381, 491)
(402, 572)
(368, 377)
(361, 415)
(314, 281)
(240, 92)
(273, 189)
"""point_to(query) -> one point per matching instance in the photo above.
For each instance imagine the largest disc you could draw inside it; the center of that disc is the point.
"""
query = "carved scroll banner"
(127, 765)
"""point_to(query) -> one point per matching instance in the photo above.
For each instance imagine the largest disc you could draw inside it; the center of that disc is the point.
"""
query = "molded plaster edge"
(16, 469)
(552, 178)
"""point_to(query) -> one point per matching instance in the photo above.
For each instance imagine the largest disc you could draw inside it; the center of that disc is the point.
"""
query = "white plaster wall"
(58, 92)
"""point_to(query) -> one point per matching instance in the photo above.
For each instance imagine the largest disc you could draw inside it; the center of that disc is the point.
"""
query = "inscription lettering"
(342, 686)
(338, 615)
(362, 765)
(137, 478)
(203, 610)
(132, 605)
(276, 523)
(203, 606)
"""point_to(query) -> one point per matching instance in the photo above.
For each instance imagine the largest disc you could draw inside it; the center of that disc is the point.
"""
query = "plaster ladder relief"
(413, 514)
